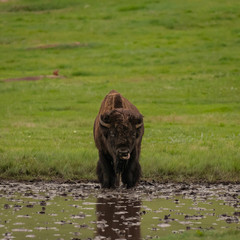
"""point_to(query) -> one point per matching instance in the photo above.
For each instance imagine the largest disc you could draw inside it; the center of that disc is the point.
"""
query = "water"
(84, 211)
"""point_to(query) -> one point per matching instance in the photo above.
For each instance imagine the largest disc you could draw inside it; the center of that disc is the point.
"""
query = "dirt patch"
(32, 78)
(60, 45)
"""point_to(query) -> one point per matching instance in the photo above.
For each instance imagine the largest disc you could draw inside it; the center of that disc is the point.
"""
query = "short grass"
(177, 61)
(206, 235)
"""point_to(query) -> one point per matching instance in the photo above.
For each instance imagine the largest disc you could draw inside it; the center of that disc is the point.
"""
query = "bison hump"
(118, 101)
(113, 100)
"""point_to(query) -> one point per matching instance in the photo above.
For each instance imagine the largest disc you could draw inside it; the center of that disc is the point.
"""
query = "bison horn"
(107, 125)
(139, 125)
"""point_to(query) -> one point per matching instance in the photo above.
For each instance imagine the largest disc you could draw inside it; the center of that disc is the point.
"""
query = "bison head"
(121, 130)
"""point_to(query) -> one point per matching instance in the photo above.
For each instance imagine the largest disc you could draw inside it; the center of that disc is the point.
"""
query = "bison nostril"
(123, 153)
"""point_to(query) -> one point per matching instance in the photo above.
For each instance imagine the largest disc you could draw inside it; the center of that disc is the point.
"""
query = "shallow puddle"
(84, 211)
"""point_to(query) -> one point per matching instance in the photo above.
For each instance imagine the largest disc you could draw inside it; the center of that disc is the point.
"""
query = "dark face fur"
(121, 130)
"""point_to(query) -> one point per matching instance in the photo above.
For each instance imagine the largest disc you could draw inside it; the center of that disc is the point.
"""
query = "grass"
(208, 235)
(177, 61)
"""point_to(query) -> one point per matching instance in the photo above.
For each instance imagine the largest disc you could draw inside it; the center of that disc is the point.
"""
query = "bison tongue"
(126, 157)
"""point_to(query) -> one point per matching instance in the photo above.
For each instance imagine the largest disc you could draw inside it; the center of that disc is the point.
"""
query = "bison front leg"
(132, 173)
(105, 171)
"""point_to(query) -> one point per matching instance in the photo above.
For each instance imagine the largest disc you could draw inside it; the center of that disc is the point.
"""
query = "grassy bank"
(211, 235)
(177, 61)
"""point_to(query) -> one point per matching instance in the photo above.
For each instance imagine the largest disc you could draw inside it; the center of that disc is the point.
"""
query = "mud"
(43, 210)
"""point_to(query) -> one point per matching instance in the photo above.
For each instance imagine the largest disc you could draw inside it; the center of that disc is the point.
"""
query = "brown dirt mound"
(31, 78)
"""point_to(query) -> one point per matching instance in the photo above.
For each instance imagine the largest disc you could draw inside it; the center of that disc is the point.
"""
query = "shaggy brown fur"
(118, 131)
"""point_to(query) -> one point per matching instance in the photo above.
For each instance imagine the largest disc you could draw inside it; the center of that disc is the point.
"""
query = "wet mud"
(43, 210)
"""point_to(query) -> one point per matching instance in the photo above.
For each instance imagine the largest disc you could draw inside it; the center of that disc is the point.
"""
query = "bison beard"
(118, 131)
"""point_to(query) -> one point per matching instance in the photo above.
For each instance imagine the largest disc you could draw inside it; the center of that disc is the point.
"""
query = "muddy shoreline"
(143, 181)
(144, 187)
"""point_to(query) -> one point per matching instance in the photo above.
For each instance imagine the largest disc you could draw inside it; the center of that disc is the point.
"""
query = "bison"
(118, 131)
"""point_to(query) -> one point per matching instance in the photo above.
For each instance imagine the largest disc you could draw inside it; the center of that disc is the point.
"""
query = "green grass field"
(206, 235)
(177, 61)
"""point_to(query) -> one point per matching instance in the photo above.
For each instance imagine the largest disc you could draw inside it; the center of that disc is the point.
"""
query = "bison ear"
(104, 120)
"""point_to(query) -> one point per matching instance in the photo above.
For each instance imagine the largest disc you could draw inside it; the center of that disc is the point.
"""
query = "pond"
(48, 210)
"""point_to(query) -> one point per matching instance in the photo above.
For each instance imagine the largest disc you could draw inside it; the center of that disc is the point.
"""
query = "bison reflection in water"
(118, 131)
(118, 218)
